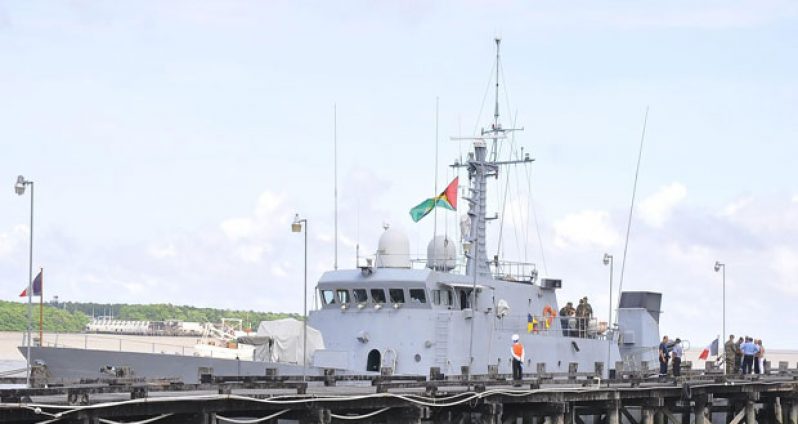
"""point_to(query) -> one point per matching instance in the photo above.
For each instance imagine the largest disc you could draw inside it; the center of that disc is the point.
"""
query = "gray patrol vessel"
(409, 317)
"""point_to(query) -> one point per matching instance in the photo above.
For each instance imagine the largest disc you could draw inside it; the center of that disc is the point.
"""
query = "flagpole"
(41, 307)
(435, 193)
(30, 283)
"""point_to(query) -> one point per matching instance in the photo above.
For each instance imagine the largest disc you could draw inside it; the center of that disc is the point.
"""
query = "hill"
(73, 316)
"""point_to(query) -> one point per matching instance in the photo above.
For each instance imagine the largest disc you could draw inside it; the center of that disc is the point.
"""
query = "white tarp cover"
(287, 341)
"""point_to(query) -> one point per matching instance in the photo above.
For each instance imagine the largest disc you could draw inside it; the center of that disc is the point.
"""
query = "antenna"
(435, 193)
(335, 178)
(631, 209)
(496, 107)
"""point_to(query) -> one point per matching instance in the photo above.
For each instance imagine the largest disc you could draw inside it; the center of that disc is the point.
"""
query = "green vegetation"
(14, 317)
(73, 316)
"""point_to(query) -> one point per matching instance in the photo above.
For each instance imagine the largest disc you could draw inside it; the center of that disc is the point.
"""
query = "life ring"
(549, 313)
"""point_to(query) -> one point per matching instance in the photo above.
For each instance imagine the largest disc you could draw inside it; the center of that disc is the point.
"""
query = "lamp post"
(608, 260)
(296, 227)
(718, 267)
(19, 188)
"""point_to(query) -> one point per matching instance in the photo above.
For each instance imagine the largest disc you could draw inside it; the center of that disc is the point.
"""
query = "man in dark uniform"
(663, 358)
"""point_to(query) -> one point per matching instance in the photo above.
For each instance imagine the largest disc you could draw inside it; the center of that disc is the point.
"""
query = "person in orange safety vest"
(518, 357)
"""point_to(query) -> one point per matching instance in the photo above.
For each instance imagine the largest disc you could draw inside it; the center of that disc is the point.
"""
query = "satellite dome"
(393, 249)
(441, 254)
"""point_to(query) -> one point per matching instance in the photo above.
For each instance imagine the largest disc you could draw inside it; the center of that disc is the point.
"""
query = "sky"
(172, 143)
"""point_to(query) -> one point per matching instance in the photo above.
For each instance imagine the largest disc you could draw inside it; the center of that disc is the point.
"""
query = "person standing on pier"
(749, 351)
(730, 355)
(677, 352)
(759, 358)
(663, 357)
(738, 356)
(518, 360)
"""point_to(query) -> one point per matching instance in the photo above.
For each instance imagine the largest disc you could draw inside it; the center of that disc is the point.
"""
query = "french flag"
(711, 349)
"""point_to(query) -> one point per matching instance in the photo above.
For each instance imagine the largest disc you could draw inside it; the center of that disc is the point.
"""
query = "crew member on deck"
(566, 313)
(518, 359)
(664, 355)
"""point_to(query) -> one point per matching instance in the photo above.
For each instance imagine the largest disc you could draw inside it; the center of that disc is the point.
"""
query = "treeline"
(73, 316)
(14, 317)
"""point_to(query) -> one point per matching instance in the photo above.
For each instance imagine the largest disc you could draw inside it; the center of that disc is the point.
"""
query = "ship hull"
(69, 364)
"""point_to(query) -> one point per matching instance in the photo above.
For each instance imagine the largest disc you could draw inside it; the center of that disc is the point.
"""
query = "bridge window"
(378, 295)
(397, 295)
(327, 297)
(343, 296)
(418, 296)
(360, 295)
(442, 297)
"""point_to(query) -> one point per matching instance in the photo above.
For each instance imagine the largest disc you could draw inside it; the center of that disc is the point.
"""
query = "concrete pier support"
(793, 414)
(699, 410)
(647, 415)
(777, 411)
(613, 413)
(750, 412)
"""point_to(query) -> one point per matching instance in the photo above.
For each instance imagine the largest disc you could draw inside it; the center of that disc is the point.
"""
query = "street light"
(296, 227)
(608, 260)
(19, 188)
(718, 267)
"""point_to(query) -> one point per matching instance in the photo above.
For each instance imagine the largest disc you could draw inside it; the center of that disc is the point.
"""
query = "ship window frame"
(327, 300)
(375, 299)
(346, 296)
(396, 291)
(357, 299)
(415, 299)
(445, 300)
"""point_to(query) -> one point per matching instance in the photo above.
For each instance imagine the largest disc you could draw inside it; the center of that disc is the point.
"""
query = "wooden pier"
(700, 397)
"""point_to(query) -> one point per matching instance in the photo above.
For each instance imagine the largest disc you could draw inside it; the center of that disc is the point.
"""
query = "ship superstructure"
(410, 315)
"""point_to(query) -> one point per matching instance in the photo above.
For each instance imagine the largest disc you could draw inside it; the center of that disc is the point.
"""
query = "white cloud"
(737, 205)
(161, 252)
(657, 208)
(278, 271)
(269, 215)
(795, 198)
(10, 241)
(784, 262)
(238, 228)
(585, 229)
(251, 253)
(268, 203)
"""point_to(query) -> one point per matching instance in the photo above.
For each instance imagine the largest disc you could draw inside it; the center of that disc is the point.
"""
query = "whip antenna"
(631, 209)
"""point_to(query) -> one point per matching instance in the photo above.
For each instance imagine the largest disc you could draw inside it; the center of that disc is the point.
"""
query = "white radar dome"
(393, 249)
(441, 254)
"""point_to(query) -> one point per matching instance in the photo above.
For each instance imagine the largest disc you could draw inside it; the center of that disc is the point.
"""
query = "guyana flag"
(447, 199)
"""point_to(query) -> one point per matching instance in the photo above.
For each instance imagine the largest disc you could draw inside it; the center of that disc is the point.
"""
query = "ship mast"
(480, 166)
